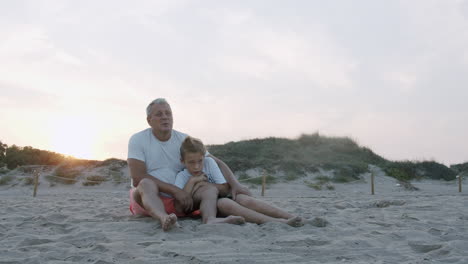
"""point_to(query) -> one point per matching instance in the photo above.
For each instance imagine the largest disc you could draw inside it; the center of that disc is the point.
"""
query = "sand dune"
(346, 225)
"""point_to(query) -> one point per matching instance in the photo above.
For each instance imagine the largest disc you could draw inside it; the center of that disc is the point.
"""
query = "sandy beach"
(76, 224)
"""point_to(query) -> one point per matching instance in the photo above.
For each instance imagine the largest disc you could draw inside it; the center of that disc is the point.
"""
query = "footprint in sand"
(33, 242)
(423, 247)
(318, 222)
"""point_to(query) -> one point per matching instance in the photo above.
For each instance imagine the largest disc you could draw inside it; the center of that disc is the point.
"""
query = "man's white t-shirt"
(162, 158)
(211, 170)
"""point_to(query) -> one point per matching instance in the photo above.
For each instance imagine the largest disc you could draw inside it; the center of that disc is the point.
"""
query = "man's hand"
(185, 200)
(239, 189)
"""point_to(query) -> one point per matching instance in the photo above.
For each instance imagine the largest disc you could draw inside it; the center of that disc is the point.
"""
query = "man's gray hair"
(158, 101)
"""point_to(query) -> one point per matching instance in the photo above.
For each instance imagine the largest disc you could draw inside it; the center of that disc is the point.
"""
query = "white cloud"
(267, 53)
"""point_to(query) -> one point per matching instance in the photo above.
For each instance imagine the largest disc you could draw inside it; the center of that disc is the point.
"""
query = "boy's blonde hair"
(192, 145)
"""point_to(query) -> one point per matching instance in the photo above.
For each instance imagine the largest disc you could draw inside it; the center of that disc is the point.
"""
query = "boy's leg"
(262, 207)
(207, 195)
(146, 195)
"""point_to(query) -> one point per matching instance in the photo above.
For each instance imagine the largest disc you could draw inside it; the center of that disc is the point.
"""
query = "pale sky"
(76, 76)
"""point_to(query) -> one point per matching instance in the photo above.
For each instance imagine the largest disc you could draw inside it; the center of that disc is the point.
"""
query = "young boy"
(201, 170)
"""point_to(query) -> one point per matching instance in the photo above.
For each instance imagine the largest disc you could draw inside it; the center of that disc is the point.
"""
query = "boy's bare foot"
(296, 221)
(232, 219)
(168, 222)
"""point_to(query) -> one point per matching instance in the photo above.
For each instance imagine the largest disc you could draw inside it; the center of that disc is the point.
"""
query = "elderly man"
(154, 161)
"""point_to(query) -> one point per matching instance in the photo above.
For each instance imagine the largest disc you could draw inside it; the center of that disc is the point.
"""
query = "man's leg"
(146, 195)
(207, 196)
(229, 207)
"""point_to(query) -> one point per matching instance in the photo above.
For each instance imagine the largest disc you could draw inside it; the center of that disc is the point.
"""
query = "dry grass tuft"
(94, 180)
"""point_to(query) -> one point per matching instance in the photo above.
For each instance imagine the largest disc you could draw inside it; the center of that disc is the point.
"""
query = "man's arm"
(236, 187)
(223, 189)
(138, 172)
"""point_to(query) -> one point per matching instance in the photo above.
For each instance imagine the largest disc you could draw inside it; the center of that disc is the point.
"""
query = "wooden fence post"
(36, 181)
(460, 182)
(372, 183)
(263, 182)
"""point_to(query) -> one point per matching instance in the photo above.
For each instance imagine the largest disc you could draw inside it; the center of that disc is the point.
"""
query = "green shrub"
(5, 179)
(316, 186)
(94, 180)
(4, 170)
(434, 170)
(399, 174)
(291, 176)
(459, 168)
(118, 176)
(66, 174)
(322, 179)
(243, 176)
(344, 175)
(115, 163)
(28, 180)
(27, 169)
(15, 156)
(291, 167)
(407, 170)
(321, 182)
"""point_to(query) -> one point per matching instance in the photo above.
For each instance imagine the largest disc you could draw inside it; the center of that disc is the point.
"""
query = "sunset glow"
(75, 136)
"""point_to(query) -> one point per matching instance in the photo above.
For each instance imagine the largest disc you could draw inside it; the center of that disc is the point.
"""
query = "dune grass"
(6, 179)
(460, 168)
(112, 162)
(94, 180)
(28, 180)
(321, 182)
(67, 172)
(416, 170)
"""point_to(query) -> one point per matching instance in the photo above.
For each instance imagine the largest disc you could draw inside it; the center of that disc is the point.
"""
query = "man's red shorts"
(168, 202)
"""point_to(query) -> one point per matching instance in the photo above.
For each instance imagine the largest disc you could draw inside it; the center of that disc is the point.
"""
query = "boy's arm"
(236, 187)
(192, 182)
(189, 186)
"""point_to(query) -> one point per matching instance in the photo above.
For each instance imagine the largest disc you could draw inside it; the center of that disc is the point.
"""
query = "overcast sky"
(76, 76)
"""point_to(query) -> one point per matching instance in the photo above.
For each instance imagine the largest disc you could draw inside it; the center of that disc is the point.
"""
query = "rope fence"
(37, 172)
(459, 176)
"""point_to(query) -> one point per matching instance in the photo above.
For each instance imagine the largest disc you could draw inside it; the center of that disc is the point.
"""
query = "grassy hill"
(290, 159)
(309, 153)
(296, 157)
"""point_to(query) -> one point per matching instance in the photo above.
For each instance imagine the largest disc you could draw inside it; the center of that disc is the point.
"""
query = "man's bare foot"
(232, 219)
(296, 221)
(169, 222)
